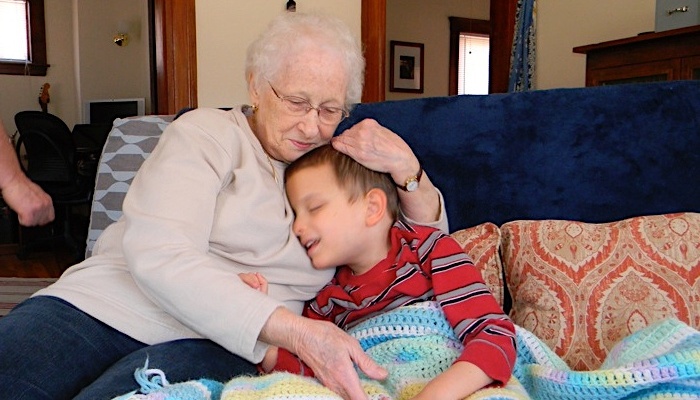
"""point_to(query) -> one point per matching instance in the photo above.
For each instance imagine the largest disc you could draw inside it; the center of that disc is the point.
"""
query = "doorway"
(174, 83)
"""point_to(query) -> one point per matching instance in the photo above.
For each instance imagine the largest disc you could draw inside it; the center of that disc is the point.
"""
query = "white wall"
(426, 22)
(84, 62)
(105, 70)
(226, 27)
(563, 25)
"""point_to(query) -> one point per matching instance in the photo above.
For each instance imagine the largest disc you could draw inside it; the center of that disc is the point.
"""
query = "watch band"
(412, 182)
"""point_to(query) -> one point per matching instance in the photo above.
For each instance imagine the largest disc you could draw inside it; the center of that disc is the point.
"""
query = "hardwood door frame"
(374, 46)
(502, 15)
(173, 55)
(174, 51)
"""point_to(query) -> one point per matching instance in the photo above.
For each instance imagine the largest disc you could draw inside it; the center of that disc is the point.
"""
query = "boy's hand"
(270, 359)
(257, 281)
(457, 382)
(254, 280)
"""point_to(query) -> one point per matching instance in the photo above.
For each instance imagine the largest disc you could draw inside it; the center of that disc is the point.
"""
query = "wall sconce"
(121, 39)
(125, 29)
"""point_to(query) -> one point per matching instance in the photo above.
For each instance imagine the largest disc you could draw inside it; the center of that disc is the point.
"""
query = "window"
(22, 37)
(13, 30)
(469, 56)
(473, 68)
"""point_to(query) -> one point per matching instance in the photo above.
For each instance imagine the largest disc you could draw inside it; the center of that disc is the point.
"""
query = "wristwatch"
(411, 184)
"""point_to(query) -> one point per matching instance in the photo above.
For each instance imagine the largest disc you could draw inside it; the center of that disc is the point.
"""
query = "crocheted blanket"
(415, 343)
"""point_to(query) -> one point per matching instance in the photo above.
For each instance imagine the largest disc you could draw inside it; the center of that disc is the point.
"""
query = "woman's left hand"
(378, 148)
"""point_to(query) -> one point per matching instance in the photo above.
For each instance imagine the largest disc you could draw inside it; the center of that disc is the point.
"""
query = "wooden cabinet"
(647, 57)
(691, 68)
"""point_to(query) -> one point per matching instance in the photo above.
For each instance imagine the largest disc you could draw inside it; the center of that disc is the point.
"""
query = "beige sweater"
(203, 207)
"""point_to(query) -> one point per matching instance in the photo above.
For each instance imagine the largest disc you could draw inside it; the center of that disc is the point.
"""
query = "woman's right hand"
(330, 352)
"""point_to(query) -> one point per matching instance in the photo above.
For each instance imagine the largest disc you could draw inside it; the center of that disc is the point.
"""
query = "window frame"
(459, 25)
(37, 64)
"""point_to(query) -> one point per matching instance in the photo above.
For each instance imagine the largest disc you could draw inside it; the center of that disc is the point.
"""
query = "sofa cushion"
(482, 244)
(582, 287)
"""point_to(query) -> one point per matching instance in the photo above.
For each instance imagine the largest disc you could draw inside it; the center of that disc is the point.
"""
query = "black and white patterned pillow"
(128, 144)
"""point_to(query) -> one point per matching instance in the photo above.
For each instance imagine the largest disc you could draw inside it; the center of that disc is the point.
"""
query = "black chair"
(50, 155)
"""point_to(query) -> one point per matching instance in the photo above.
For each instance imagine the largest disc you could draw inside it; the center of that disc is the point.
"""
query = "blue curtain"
(522, 58)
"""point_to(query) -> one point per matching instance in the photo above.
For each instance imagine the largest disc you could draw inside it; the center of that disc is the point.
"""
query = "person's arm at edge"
(32, 205)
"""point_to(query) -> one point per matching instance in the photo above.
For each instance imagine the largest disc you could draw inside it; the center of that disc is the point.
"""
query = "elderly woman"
(162, 287)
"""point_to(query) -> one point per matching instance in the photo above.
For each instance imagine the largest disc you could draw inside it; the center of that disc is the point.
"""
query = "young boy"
(347, 216)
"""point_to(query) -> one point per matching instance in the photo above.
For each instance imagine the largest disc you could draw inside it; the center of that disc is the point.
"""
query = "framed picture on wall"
(406, 67)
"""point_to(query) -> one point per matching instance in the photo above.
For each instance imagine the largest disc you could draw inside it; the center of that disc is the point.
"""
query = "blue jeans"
(51, 350)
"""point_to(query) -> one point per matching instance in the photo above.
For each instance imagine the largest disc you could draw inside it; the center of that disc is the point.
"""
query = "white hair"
(290, 32)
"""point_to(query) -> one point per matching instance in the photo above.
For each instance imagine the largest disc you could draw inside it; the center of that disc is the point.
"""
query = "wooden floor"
(45, 263)
(47, 259)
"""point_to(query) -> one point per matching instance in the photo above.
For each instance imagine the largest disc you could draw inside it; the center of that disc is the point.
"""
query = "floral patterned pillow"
(582, 287)
(482, 243)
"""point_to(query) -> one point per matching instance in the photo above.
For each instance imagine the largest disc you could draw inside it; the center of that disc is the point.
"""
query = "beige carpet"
(14, 290)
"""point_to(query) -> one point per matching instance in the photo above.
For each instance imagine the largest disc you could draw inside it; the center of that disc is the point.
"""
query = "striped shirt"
(423, 264)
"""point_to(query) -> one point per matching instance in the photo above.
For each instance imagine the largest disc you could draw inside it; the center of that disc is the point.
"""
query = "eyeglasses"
(299, 106)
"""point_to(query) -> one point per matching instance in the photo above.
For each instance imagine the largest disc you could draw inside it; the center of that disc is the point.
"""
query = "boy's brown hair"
(353, 177)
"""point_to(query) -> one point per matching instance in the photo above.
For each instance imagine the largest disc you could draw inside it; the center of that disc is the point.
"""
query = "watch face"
(412, 186)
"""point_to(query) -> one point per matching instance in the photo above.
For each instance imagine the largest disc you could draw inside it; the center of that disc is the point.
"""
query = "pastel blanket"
(415, 343)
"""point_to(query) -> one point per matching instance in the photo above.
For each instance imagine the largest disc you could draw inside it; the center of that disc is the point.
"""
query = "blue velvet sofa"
(593, 154)
(579, 205)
